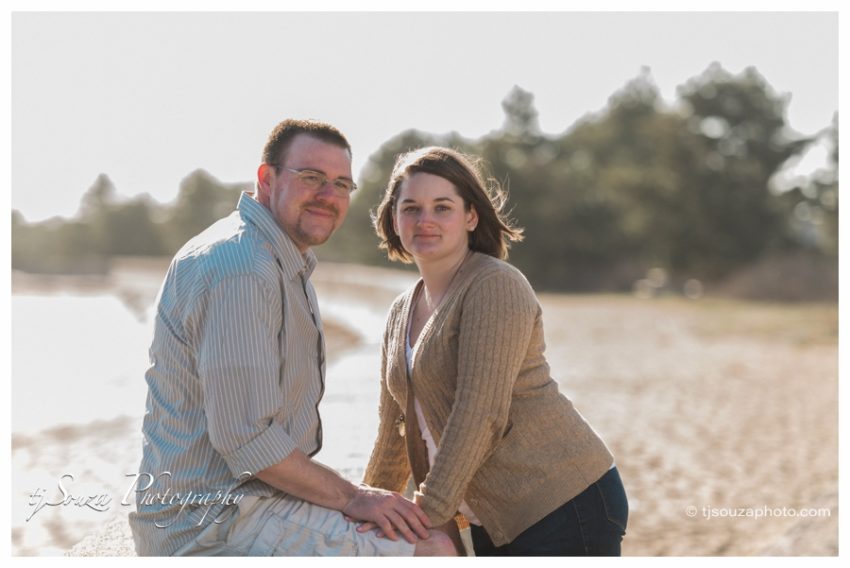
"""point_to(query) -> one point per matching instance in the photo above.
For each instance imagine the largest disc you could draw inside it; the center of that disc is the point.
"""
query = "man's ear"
(264, 181)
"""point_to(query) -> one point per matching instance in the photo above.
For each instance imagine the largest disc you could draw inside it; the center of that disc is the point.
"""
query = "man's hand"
(306, 479)
(389, 511)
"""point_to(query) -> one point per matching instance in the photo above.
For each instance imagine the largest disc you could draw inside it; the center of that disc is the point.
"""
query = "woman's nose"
(424, 218)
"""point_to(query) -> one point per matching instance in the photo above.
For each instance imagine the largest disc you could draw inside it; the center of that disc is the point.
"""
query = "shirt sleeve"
(239, 363)
(496, 324)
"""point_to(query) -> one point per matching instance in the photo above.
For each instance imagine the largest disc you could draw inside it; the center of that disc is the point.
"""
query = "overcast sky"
(147, 98)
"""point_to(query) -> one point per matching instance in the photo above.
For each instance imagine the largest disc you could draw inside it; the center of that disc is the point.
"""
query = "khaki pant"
(286, 526)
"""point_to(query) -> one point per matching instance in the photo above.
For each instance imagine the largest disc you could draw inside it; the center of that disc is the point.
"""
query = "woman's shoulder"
(398, 302)
(497, 279)
(397, 305)
(489, 268)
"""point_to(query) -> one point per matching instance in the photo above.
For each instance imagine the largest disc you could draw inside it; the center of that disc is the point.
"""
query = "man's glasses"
(314, 181)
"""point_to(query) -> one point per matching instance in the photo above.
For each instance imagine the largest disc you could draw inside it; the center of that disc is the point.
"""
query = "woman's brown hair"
(494, 231)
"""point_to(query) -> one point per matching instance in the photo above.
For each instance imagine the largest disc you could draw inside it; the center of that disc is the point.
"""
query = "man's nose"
(327, 191)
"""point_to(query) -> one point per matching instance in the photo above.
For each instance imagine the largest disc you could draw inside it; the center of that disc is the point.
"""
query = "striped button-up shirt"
(236, 376)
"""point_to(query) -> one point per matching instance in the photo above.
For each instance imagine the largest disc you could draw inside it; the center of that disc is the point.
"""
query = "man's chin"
(316, 238)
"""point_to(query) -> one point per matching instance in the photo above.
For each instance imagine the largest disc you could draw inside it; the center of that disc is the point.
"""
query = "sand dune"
(715, 404)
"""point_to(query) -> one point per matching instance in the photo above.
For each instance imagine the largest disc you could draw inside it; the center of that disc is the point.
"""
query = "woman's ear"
(394, 219)
(471, 218)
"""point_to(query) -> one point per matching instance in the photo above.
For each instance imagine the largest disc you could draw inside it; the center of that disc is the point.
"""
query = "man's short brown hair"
(284, 133)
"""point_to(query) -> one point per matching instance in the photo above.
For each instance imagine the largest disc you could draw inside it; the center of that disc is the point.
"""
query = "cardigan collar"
(466, 272)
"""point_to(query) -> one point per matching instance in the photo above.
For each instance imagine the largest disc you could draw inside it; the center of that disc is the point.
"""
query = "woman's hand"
(450, 528)
(389, 511)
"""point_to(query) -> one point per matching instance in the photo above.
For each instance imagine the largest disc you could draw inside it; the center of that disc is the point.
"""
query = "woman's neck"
(437, 276)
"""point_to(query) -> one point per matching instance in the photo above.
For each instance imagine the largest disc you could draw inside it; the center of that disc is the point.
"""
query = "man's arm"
(238, 365)
(311, 481)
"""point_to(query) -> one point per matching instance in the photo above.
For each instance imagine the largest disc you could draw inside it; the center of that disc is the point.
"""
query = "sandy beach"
(722, 415)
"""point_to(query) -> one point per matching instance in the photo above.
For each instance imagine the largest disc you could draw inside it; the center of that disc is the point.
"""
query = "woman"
(467, 403)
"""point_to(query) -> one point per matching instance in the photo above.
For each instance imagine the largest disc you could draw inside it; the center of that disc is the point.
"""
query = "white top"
(430, 444)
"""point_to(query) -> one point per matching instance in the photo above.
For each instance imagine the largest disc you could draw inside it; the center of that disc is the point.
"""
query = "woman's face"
(430, 218)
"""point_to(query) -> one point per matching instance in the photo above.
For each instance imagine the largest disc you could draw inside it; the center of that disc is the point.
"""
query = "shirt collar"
(289, 257)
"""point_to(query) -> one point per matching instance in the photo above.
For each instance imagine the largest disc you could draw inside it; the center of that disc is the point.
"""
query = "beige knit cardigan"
(508, 442)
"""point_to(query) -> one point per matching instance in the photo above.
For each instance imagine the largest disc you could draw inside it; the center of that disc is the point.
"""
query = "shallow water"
(79, 392)
(75, 359)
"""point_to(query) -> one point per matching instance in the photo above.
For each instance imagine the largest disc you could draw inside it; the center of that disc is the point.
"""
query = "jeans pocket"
(613, 496)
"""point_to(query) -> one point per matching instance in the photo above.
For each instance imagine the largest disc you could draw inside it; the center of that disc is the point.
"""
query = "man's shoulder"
(229, 247)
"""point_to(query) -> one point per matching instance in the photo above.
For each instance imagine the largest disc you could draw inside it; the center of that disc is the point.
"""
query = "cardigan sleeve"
(496, 324)
(388, 467)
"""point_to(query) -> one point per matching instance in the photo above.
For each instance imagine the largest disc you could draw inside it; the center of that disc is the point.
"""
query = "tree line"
(686, 188)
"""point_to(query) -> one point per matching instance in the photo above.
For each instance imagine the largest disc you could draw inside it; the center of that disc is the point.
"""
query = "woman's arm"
(497, 322)
(388, 467)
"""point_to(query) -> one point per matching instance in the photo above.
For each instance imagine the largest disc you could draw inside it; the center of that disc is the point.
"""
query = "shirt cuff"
(272, 446)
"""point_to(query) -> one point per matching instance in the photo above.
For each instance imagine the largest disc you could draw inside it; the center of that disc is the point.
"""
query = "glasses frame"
(324, 179)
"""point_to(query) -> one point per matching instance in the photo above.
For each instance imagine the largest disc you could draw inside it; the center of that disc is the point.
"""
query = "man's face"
(308, 216)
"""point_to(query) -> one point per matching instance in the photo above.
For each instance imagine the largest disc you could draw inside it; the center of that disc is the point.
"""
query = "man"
(236, 376)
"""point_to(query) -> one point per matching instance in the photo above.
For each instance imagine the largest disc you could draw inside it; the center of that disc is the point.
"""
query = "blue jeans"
(591, 524)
